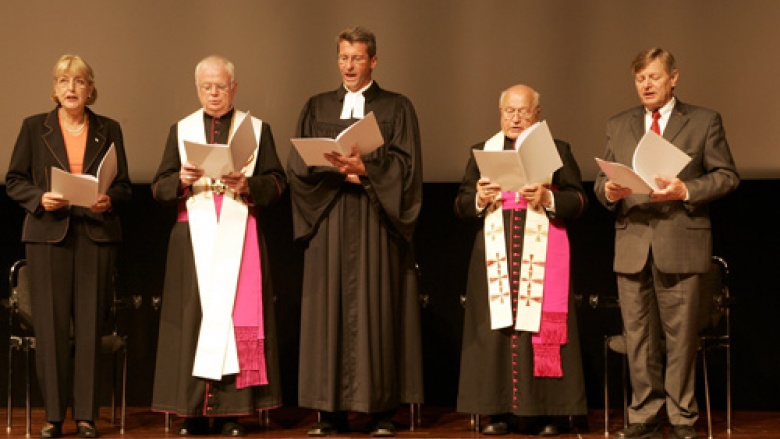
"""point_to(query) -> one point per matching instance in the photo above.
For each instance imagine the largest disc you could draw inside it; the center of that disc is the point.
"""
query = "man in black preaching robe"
(506, 372)
(360, 319)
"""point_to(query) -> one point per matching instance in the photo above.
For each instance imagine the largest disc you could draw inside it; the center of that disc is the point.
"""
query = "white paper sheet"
(84, 189)
(218, 159)
(654, 157)
(534, 161)
(364, 133)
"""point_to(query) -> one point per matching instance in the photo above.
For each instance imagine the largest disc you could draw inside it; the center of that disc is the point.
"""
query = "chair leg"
(10, 385)
(264, 418)
(606, 386)
(415, 418)
(113, 389)
(728, 386)
(123, 402)
(626, 385)
(27, 407)
(167, 422)
(475, 422)
(706, 389)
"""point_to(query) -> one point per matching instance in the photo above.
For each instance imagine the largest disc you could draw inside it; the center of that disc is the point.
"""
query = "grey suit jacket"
(676, 233)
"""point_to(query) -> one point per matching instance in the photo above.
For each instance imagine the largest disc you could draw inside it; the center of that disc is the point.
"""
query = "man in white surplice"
(217, 354)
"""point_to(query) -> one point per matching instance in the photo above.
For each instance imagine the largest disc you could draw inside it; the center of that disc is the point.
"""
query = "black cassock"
(175, 389)
(360, 318)
(486, 371)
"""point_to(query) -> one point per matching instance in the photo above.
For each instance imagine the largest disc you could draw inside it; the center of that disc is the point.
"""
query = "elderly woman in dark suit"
(70, 250)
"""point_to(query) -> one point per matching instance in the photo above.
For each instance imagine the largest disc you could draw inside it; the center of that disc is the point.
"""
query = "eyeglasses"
(356, 59)
(78, 82)
(524, 113)
(208, 86)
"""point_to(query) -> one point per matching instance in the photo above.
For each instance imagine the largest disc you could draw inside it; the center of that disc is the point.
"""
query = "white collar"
(666, 110)
(354, 103)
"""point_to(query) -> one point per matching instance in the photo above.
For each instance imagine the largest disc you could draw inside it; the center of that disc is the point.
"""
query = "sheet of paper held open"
(533, 161)
(218, 159)
(364, 133)
(84, 189)
(654, 157)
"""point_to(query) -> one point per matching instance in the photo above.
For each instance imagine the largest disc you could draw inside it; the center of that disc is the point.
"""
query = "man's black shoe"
(383, 429)
(684, 432)
(496, 428)
(321, 429)
(640, 431)
(86, 429)
(194, 427)
(548, 430)
(233, 429)
(52, 430)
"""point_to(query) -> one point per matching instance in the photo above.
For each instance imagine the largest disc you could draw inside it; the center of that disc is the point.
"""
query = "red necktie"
(655, 126)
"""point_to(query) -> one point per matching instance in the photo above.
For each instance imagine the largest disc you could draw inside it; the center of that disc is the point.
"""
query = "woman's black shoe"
(52, 430)
(86, 429)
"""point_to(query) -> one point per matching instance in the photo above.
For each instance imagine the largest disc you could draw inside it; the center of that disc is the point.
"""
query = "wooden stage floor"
(436, 423)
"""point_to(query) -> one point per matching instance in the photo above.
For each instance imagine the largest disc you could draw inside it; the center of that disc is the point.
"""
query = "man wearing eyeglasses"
(521, 352)
(663, 244)
(360, 330)
(217, 355)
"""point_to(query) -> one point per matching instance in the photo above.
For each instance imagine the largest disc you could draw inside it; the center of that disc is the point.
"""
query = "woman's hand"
(103, 204)
(52, 201)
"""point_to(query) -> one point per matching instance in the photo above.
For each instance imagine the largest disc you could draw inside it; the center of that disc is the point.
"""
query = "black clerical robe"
(175, 389)
(497, 366)
(360, 319)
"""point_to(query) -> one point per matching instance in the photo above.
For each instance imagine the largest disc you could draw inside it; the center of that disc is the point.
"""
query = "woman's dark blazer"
(39, 147)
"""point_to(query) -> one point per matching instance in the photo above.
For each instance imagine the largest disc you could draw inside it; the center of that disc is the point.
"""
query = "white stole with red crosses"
(531, 282)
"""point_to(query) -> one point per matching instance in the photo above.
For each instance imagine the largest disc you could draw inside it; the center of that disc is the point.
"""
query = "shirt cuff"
(551, 207)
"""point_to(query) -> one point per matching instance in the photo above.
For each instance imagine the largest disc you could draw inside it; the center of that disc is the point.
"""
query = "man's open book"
(654, 157)
(533, 160)
(218, 159)
(363, 133)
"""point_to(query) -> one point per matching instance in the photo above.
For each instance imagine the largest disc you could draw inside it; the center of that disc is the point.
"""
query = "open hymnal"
(363, 133)
(218, 159)
(84, 189)
(533, 160)
(654, 157)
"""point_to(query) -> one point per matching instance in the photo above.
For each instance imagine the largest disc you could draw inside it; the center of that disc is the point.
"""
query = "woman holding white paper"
(70, 250)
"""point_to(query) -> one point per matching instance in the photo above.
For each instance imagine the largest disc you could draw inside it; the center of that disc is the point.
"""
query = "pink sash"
(248, 307)
(555, 305)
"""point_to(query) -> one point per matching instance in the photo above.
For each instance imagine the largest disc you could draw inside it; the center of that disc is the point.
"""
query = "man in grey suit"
(663, 243)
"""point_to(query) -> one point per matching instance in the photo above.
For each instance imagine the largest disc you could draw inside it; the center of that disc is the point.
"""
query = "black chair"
(21, 335)
(22, 338)
(714, 333)
(715, 325)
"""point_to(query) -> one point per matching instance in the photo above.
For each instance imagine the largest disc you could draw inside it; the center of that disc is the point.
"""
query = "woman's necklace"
(77, 130)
